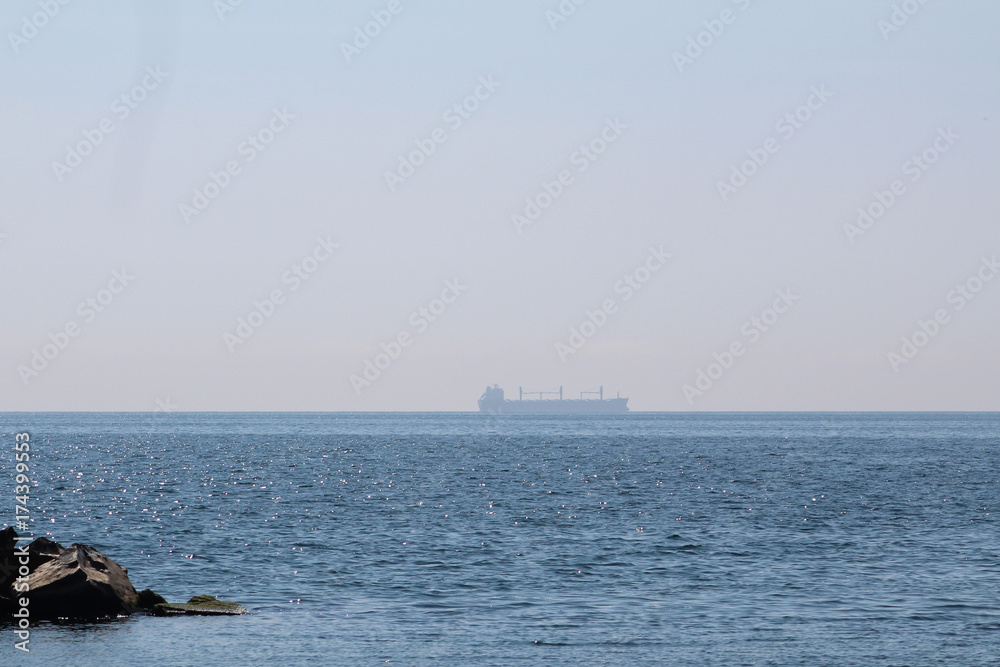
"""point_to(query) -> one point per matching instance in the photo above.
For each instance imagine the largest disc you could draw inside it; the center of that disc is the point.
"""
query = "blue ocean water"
(454, 539)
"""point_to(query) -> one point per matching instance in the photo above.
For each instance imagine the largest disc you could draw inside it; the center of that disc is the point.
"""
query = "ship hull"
(588, 406)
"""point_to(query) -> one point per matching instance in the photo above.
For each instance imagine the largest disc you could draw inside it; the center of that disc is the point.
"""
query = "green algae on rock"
(148, 599)
(201, 605)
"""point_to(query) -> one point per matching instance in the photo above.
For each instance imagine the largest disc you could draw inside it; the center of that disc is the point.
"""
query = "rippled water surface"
(434, 539)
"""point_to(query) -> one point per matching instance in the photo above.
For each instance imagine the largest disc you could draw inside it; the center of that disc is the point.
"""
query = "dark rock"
(8, 538)
(8, 563)
(42, 550)
(148, 599)
(81, 583)
(201, 605)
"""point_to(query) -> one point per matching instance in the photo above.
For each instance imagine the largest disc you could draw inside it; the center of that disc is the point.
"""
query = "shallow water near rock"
(427, 539)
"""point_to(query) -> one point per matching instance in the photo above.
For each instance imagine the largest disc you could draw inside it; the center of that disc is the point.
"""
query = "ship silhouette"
(493, 401)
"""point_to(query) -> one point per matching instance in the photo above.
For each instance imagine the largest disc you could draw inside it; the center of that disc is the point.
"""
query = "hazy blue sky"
(676, 119)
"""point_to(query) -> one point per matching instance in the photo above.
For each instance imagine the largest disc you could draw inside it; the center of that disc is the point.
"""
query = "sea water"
(455, 539)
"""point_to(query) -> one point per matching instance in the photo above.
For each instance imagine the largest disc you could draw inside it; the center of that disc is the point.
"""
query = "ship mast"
(599, 392)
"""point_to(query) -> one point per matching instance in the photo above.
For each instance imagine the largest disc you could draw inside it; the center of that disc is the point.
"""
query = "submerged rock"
(81, 583)
(201, 605)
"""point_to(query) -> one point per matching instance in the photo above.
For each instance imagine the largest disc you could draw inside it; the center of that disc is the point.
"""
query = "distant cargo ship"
(492, 401)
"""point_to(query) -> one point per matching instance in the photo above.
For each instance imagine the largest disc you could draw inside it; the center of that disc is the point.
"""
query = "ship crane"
(599, 392)
(521, 392)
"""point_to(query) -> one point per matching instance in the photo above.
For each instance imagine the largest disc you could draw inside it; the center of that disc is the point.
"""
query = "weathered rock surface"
(201, 605)
(81, 583)
(42, 550)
